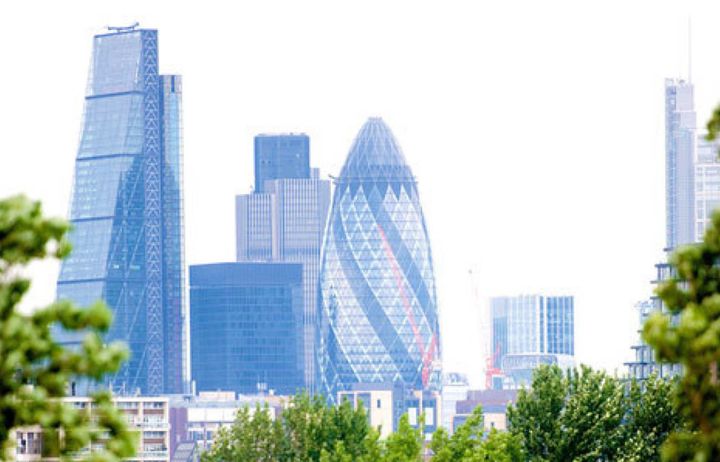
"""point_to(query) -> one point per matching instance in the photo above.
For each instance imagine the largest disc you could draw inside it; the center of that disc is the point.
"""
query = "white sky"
(535, 129)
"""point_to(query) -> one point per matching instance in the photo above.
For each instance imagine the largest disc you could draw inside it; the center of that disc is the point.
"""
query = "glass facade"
(127, 210)
(246, 327)
(680, 136)
(378, 307)
(281, 156)
(529, 330)
(285, 223)
(692, 194)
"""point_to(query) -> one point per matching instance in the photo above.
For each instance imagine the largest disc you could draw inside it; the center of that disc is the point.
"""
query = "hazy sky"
(535, 129)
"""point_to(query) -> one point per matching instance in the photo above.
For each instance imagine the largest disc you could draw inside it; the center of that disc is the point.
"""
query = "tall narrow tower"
(127, 209)
(378, 308)
(680, 146)
(283, 221)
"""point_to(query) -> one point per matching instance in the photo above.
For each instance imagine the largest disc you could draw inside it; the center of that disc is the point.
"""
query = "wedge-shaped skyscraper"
(126, 209)
(379, 317)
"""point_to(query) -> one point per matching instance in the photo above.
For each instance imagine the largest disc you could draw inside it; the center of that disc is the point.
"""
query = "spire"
(689, 49)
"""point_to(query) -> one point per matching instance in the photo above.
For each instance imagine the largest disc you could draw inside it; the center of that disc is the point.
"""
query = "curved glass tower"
(378, 309)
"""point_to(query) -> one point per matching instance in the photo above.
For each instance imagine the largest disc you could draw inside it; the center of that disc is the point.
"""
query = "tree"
(499, 447)
(576, 416)
(404, 445)
(689, 334)
(650, 417)
(469, 443)
(34, 368)
(254, 436)
(306, 431)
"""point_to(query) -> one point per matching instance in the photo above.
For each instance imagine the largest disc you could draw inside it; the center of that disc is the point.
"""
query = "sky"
(535, 130)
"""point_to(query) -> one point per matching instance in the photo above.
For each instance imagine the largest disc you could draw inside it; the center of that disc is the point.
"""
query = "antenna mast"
(689, 50)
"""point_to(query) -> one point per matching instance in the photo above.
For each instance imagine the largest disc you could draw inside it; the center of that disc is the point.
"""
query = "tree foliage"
(587, 415)
(689, 334)
(307, 431)
(470, 444)
(34, 369)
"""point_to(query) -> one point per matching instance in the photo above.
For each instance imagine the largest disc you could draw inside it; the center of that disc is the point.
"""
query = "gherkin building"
(378, 320)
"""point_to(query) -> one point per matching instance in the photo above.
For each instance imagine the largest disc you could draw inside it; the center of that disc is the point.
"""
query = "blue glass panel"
(112, 125)
(97, 184)
(91, 243)
(116, 64)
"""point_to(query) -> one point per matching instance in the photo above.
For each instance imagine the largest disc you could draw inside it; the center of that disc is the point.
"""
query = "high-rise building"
(378, 313)
(692, 181)
(127, 210)
(680, 136)
(692, 176)
(529, 330)
(285, 222)
(246, 327)
(281, 156)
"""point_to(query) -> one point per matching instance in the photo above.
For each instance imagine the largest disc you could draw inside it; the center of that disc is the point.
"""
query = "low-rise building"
(494, 405)
(148, 416)
(197, 419)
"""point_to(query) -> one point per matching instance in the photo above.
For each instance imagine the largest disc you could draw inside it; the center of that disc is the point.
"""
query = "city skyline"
(473, 139)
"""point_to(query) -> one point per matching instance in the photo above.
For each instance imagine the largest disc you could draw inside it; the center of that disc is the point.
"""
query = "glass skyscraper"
(246, 327)
(680, 136)
(692, 192)
(127, 210)
(378, 308)
(284, 220)
(281, 156)
(529, 330)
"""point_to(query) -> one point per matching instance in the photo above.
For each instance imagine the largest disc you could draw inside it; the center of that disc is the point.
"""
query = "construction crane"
(490, 368)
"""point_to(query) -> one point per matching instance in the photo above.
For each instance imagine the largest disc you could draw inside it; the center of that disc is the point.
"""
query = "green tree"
(34, 369)
(499, 447)
(406, 444)
(470, 444)
(576, 416)
(254, 436)
(307, 431)
(650, 417)
(689, 334)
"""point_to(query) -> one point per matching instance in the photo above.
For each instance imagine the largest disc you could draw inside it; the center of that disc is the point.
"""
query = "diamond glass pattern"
(378, 308)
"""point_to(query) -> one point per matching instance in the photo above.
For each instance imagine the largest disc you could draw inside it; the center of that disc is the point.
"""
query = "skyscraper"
(378, 313)
(246, 327)
(692, 191)
(127, 209)
(284, 220)
(529, 330)
(281, 156)
(680, 137)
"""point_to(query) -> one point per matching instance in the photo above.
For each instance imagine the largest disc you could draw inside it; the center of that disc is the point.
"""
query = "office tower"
(127, 210)
(529, 330)
(692, 168)
(692, 194)
(281, 156)
(680, 136)
(246, 327)
(379, 317)
(285, 222)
